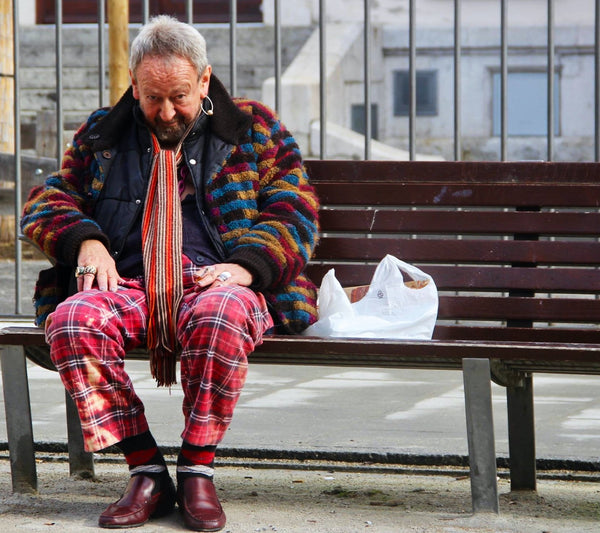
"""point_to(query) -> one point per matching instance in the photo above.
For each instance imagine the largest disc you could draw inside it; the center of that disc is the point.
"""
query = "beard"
(169, 134)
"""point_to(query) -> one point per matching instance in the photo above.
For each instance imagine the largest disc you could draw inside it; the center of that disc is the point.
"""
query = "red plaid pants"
(90, 333)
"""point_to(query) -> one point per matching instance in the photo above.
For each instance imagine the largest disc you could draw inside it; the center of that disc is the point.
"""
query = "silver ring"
(83, 270)
(224, 276)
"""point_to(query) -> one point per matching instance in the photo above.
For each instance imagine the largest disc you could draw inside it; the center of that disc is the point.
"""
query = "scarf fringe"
(163, 366)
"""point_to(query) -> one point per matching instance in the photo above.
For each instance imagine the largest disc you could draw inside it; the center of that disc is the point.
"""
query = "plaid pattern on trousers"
(90, 333)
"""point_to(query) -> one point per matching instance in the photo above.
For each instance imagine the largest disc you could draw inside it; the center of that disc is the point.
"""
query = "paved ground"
(317, 499)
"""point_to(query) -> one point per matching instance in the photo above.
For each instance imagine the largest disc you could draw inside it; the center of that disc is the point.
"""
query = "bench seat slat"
(32, 336)
(325, 350)
(386, 352)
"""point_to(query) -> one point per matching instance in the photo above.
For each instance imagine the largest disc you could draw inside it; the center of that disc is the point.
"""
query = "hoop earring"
(210, 111)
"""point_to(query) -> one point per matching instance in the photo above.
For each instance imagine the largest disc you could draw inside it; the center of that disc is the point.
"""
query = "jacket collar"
(229, 122)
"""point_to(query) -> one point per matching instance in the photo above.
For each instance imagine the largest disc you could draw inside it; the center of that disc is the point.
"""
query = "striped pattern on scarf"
(162, 243)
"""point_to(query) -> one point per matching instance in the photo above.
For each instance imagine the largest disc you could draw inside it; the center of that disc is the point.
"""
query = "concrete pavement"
(342, 498)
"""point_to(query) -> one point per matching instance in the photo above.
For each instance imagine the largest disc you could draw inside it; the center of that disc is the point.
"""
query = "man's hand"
(93, 253)
(223, 274)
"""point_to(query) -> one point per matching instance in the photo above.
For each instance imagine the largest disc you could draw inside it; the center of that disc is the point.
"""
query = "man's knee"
(75, 313)
(84, 314)
(226, 305)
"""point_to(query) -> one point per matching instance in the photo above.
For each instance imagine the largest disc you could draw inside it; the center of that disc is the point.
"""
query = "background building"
(479, 82)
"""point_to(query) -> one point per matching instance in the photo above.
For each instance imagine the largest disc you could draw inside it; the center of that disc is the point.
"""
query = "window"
(358, 120)
(526, 104)
(426, 93)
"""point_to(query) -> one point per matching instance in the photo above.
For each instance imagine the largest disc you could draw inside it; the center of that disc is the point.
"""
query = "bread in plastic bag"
(401, 303)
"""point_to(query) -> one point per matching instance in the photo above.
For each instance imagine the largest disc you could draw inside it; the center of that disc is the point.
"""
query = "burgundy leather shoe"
(199, 504)
(138, 503)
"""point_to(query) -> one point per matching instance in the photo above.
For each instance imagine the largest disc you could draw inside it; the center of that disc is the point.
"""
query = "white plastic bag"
(391, 308)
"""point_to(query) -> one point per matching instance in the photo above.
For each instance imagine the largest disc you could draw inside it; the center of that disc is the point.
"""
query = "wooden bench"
(514, 251)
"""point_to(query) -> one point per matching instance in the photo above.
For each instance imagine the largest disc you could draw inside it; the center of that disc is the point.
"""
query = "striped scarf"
(162, 244)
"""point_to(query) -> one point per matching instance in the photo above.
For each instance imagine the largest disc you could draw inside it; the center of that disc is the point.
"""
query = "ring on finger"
(224, 276)
(83, 270)
(209, 270)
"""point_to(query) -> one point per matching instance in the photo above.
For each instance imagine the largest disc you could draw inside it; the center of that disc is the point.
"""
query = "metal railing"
(323, 111)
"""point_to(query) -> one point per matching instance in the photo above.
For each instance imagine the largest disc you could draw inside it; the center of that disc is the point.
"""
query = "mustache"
(177, 122)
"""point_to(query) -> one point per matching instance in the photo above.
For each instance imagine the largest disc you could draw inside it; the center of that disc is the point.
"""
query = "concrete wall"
(80, 68)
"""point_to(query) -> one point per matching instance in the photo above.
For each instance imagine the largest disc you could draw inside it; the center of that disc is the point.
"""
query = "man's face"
(170, 93)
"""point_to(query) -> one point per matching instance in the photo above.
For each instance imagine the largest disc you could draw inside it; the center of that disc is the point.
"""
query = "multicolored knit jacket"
(259, 199)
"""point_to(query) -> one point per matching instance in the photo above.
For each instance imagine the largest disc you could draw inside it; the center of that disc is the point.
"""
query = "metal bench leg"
(18, 419)
(81, 463)
(521, 435)
(480, 435)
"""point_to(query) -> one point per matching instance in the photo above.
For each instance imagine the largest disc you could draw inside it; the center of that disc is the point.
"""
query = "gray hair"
(167, 37)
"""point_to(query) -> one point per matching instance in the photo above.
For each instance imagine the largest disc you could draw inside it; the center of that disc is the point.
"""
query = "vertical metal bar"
(190, 11)
(550, 80)
(17, 159)
(597, 83)
(521, 435)
(18, 419)
(480, 435)
(101, 60)
(277, 12)
(233, 46)
(503, 79)
(412, 74)
(323, 80)
(457, 87)
(146, 13)
(367, 87)
(81, 463)
(59, 82)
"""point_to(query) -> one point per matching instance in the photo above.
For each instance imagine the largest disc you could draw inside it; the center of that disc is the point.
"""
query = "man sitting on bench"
(185, 219)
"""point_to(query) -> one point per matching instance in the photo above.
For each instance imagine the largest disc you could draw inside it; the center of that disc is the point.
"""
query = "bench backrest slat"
(515, 334)
(519, 308)
(500, 223)
(448, 171)
(381, 193)
(457, 250)
(454, 277)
